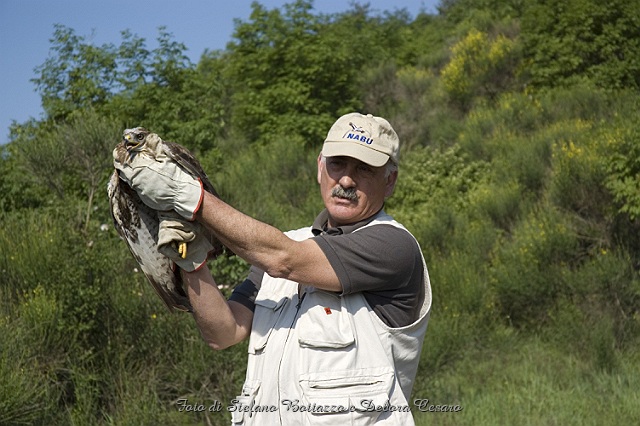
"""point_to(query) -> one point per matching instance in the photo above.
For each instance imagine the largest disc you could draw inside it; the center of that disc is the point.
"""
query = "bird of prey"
(138, 224)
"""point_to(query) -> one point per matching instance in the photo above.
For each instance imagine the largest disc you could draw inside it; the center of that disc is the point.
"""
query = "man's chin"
(343, 214)
(344, 206)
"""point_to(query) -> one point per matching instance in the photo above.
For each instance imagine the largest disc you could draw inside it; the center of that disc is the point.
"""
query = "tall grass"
(527, 381)
(84, 340)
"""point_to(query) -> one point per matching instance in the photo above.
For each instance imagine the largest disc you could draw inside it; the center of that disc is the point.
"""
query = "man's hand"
(163, 185)
(182, 241)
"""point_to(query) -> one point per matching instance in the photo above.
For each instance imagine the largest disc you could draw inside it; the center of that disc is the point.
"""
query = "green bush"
(480, 65)
(603, 294)
(433, 187)
(526, 269)
(496, 130)
(276, 183)
(578, 177)
(622, 147)
(501, 202)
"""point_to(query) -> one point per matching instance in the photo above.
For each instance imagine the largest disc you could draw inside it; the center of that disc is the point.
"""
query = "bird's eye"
(140, 136)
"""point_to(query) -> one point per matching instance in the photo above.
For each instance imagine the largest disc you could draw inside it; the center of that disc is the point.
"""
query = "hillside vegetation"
(519, 176)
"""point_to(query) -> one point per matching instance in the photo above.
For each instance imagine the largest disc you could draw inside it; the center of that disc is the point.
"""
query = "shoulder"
(397, 247)
(393, 243)
(392, 234)
(373, 257)
(382, 239)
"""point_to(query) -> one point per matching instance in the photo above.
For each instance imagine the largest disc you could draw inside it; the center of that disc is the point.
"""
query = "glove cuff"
(193, 264)
(191, 200)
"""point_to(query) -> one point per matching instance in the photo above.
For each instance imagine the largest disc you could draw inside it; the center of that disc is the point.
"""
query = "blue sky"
(26, 26)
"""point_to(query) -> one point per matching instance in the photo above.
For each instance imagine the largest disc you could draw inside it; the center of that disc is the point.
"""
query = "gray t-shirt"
(383, 262)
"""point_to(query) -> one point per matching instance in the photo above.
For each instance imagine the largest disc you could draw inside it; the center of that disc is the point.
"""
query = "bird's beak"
(129, 142)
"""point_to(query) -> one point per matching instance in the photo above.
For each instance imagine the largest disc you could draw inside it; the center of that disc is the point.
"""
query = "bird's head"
(134, 139)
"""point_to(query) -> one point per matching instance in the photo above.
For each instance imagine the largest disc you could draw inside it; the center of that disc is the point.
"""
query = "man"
(335, 313)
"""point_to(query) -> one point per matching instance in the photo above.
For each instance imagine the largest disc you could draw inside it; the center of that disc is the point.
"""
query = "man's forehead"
(349, 159)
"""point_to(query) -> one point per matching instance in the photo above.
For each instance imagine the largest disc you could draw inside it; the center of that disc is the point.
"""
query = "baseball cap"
(370, 139)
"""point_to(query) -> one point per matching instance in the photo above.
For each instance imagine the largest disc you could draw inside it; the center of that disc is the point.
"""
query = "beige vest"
(316, 358)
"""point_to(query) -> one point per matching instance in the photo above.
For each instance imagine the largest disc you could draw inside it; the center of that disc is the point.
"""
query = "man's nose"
(346, 181)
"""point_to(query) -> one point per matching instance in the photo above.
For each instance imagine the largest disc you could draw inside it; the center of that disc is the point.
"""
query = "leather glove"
(162, 184)
(182, 241)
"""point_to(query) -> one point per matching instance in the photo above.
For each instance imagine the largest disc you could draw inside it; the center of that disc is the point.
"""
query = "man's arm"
(222, 323)
(266, 247)
(164, 185)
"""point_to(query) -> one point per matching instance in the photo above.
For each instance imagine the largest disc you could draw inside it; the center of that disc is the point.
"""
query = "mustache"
(349, 193)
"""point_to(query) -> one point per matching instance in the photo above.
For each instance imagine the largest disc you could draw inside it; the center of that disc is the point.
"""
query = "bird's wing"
(189, 162)
(137, 225)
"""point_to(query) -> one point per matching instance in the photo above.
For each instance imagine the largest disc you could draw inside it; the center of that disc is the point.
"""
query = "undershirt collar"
(320, 225)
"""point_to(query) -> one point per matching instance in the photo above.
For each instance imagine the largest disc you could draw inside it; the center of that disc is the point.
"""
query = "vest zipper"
(300, 303)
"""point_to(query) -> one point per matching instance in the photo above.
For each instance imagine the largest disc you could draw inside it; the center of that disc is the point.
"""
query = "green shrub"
(588, 331)
(433, 188)
(505, 132)
(450, 335)
(525, 271)
(501, 202)
(603, 294)
(276, 183)
(579, 172)
(479, 65)
(622, 146)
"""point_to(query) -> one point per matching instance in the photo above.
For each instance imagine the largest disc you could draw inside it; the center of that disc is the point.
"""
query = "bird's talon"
(182, 250)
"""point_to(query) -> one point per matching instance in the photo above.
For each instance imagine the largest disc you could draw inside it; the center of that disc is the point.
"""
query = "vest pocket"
(347, 397)
(268, 311)
(249, 392)
(323, 322)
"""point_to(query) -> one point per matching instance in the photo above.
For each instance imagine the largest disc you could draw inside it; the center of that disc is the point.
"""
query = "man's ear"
(391, 183)
(320, 166)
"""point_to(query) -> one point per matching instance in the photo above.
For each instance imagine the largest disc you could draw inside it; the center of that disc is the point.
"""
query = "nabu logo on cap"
(362, 138)
(356, 128)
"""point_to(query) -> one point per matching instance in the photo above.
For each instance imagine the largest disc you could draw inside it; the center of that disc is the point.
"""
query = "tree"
(88, 141)
(17, 190)
(570, 42)
(72, 158)
(458, 11)
(295, 72)
(79, 75)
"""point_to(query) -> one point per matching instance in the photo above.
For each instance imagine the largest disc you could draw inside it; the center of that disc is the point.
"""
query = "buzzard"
(138, 224)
